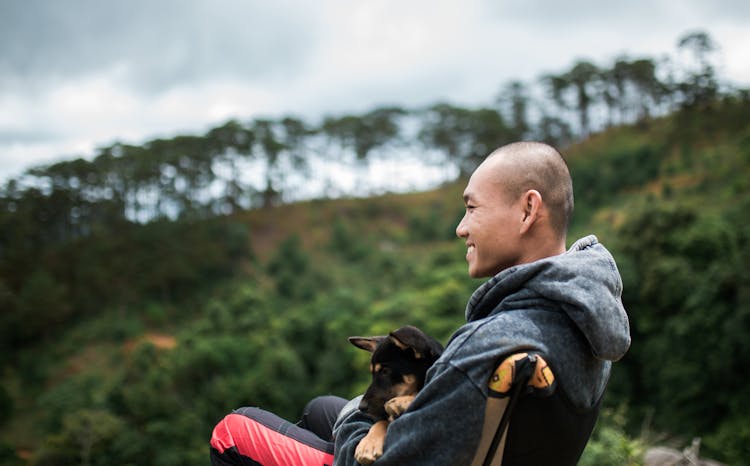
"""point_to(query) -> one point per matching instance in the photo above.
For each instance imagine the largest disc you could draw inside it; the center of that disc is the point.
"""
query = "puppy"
(398, 366)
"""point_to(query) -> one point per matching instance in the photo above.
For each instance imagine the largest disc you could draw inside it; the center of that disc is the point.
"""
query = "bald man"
(518, 205)
(540, 298)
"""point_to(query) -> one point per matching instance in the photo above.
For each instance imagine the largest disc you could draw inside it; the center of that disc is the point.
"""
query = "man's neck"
(541, 248)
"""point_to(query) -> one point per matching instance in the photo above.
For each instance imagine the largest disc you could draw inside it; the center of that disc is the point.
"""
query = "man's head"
(518, 205)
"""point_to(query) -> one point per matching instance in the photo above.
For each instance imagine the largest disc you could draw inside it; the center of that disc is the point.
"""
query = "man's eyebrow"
(467, 197)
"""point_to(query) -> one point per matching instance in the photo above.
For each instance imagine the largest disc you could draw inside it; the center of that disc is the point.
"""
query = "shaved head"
(523, 166)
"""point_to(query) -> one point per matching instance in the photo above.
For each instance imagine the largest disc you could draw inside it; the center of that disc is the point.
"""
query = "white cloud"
(80, 74)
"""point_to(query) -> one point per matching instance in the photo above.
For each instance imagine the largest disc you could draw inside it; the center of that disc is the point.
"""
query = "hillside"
(133, 343)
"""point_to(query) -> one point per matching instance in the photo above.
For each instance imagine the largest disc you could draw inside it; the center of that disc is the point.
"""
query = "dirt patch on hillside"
(160, 340)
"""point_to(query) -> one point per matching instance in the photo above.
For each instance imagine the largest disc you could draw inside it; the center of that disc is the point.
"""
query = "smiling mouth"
(469, 251)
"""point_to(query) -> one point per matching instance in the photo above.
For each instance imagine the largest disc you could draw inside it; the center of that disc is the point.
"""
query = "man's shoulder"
(483, 343)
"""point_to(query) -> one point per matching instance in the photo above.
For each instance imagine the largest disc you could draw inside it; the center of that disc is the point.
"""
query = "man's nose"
(461, 231)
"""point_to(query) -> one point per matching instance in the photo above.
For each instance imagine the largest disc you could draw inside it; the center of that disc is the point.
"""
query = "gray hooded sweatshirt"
(566, 307)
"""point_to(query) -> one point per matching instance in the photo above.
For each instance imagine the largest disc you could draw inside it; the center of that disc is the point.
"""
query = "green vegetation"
(136, 312)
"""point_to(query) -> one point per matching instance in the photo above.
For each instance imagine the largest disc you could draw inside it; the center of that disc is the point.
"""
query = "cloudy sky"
(80, 74)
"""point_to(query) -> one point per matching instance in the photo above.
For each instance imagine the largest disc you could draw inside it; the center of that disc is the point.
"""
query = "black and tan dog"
(398, 366)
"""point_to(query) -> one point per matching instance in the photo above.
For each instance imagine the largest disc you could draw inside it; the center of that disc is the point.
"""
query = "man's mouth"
(469, 250)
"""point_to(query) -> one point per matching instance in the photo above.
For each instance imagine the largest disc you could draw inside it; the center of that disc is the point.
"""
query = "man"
(564, 305)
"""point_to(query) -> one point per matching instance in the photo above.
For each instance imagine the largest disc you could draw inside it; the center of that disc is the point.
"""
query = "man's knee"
(252, 436)
(230, 444)
(320, 414)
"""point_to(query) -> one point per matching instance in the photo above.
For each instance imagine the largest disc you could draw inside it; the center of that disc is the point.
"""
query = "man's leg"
(320, 414)
(252, 436)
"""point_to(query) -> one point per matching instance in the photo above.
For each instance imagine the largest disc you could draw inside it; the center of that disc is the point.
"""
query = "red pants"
(252, 436)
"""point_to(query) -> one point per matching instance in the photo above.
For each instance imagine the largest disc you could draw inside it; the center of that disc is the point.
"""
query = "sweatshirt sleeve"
(442, 426)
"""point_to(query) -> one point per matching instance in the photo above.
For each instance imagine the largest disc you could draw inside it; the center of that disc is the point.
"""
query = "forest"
(149, 289)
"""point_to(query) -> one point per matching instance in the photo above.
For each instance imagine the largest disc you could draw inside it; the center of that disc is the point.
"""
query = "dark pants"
(251, 436)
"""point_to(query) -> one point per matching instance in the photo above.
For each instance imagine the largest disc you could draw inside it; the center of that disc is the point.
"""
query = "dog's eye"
(385, 370)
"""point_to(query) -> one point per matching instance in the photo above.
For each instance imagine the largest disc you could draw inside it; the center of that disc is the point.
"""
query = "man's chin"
(473, 273)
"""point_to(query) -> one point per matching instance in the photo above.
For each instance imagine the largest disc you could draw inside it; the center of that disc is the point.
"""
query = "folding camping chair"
(529, 421)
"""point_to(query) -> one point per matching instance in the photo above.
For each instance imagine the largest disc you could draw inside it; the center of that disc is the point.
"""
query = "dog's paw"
(370, 447)
(396, 406)
(366, 454)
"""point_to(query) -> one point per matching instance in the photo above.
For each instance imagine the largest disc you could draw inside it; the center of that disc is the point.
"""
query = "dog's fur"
(398, 366)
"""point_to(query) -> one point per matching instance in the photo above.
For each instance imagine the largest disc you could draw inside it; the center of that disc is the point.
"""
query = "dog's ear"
(366, 343)
(423, 345)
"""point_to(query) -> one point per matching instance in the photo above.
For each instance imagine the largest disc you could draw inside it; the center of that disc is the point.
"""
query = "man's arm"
(442, 426)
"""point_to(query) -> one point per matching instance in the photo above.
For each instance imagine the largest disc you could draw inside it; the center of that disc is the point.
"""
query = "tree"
(290, 267)
(685, 274)
(700, 85)
(87, 430)
(175, 174)
(576, 90)
(465, 136)
(514, 103)
(366, 132)
(230, 145)
(269, 146)
(553, 130)
(649, 89)
(633, 88)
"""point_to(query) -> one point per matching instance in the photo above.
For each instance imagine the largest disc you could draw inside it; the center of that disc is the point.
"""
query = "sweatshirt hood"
(583, 282)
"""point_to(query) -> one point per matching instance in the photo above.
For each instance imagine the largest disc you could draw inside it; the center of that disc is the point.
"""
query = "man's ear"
(532, 207)
(366, 343)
